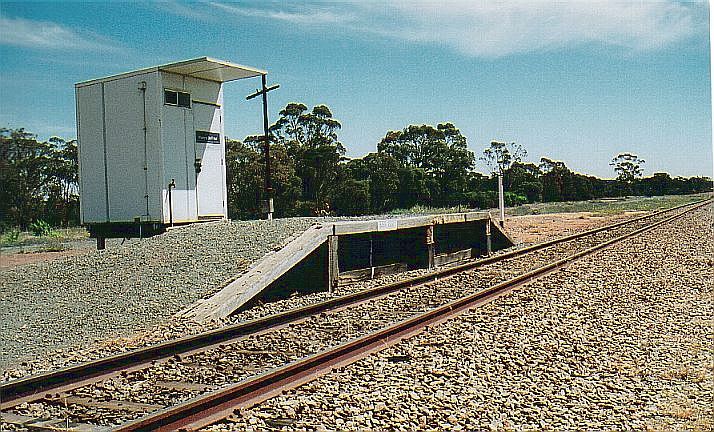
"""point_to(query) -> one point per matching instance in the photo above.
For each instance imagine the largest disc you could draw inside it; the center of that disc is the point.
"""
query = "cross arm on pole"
(260, 92)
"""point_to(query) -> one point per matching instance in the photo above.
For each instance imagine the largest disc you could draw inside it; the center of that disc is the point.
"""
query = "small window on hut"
(177, 98)
(184, 100)
(170, 97)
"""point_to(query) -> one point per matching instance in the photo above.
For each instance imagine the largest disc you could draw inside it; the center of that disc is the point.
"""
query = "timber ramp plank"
(257, 277)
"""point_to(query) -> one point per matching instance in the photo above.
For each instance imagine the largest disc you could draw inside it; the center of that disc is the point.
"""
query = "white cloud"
(185, 10)
(305, 15)
(496, 29)
(48, 35)
(493, 29)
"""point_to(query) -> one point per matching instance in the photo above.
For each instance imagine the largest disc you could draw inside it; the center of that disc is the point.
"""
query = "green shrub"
(513, 199)
(10, 236)
(482, 200)
(301, 209)
(40, 228)
(352, 198)
(489, 199)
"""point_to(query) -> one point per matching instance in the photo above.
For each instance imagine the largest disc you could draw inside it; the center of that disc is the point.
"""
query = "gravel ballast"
(73, 302)
(230, 363)
(620, 340)
(145, 334)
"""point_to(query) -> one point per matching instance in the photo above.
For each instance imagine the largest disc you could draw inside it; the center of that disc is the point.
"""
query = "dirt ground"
(8, 260)
(539, 228)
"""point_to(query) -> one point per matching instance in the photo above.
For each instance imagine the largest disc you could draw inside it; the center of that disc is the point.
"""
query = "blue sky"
(572, 81)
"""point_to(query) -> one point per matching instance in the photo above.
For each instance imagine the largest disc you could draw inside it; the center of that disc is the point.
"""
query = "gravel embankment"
(173, 328)
(73, 302)
(622, 340)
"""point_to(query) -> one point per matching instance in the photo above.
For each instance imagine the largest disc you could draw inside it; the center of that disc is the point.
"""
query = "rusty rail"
(208, 409)
(63, 380)
(81, 374)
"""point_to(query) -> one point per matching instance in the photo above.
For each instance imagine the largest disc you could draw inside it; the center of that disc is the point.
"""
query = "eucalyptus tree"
(524, 179)
(499, 156)
(245, 179)
(440, 152)
(628, 167)
(310, 138)
(555, 178)
(382, 172)
(39, 179)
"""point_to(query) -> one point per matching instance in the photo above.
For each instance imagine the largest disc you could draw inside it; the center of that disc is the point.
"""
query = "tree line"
(423, 165)
(419, 165)
(39, 180)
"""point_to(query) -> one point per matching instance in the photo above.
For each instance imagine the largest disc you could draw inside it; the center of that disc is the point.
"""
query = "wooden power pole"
(268, 205)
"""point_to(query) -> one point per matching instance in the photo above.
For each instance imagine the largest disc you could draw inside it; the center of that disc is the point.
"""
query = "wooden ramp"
(278, 263)
(258, 277)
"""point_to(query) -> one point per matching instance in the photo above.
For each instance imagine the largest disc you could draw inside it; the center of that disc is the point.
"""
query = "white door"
(178, 142)
(208, 163)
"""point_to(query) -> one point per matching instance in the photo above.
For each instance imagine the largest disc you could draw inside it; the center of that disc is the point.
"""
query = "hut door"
(208, 162)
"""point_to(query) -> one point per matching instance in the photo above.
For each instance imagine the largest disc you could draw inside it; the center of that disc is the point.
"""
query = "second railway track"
(146, 388)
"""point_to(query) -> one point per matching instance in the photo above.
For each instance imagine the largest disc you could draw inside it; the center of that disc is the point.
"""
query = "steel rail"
(207, 409)
(64, 379)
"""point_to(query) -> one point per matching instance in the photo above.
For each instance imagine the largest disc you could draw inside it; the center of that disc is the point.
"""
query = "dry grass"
(630, 370)
(682, 409)
(608, 207)
(702, 424)
(684, 373)
(683, 413)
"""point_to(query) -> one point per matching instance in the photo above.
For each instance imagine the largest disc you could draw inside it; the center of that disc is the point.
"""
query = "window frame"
(178, 99)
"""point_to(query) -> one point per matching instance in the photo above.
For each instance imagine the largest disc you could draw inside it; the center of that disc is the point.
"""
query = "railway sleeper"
(34, 424)
(114, 405)
(185, 386)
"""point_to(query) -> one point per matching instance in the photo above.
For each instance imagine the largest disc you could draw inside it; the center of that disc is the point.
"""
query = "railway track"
(201, 379)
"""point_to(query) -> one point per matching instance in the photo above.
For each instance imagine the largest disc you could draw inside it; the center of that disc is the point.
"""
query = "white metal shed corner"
(152, 146)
